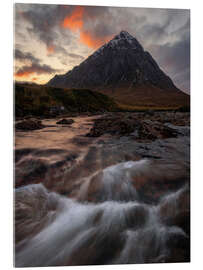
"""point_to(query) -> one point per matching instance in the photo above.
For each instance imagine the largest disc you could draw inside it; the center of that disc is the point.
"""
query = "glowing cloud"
(92, 42)
(24, 73)
(75, 20)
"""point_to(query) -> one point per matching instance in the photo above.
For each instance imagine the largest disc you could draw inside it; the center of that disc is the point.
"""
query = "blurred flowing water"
(105, 207)
(118, 229)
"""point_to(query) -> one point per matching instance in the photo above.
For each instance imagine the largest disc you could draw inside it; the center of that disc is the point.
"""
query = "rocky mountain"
(121, 64)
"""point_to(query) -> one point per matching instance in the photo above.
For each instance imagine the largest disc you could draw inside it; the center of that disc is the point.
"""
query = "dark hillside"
(44, 100)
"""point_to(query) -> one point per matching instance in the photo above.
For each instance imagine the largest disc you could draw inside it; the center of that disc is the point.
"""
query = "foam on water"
(119, 229)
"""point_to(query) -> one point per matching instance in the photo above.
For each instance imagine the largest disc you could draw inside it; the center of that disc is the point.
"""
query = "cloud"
(44, 20)
(35, 68)
(76, 56)
(23, 57)
(92, 42)
(64, 56)
(175, 60)
(63, 29)
(75, 22)
(50, 49)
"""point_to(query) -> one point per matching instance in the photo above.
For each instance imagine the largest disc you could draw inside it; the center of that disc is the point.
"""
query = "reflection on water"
(54, 136)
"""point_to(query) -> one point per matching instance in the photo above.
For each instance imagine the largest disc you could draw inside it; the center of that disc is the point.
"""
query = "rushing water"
(86, 201)
(117, 227)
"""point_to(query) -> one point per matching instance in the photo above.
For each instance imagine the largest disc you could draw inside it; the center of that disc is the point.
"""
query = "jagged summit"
(122, 41)
(121, 61)
(124, 35)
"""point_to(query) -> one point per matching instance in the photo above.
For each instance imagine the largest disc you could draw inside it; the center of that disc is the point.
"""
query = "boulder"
(27, 125)
(114, 125)
(128, 125)
(65, 121)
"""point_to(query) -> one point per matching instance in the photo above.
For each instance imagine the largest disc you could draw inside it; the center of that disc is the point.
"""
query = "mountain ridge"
(122, 63)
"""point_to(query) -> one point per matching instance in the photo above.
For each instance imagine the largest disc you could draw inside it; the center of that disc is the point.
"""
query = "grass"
(134, 108)
(37, 100)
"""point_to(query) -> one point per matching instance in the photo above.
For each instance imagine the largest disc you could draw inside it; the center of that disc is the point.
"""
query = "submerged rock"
(65, 122)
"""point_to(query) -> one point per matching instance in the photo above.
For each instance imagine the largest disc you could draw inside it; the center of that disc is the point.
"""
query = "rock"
(149, 113)
(30, 170)
(126, 125)
(114, 125)
(27, 125)
(175, 210)
(65, 121)
(32, 206)
(155, 130)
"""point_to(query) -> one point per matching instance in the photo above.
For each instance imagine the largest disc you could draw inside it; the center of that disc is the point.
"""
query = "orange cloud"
(50, 49)
(34, 79)
(75, 20)
(90, 41)
(24, 73)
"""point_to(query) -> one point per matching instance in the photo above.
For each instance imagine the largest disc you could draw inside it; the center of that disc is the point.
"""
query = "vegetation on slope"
(40, 100)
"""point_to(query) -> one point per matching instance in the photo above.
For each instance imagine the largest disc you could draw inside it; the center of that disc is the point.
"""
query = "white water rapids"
(119, 228)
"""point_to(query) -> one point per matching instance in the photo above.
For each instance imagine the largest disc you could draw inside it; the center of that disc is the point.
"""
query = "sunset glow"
(75, 20)
(90, 41)
(24, 74)
(53, 39)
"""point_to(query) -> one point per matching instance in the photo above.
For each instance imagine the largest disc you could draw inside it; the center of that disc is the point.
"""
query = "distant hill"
(124, 70)
(42, 100)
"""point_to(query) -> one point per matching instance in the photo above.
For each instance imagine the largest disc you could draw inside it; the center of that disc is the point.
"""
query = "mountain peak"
(125, 40)
(124, 34)
(121, 41)
(121, 61)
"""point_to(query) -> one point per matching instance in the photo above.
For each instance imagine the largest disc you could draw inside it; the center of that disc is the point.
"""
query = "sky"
(52, 39)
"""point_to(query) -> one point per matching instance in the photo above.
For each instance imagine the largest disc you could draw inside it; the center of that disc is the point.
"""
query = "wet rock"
(65, 121)
(32, 205)
(128, 125)
(137, 216)
(29, 171)
(19, 153)
(81, 141)
(114, 125)
(149, 113)
(98, 248)
(179, 245)
(175, 210)
(27, 125)
(155, 130)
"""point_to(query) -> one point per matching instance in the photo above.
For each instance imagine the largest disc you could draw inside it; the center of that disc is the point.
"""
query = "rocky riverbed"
(105, 189)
